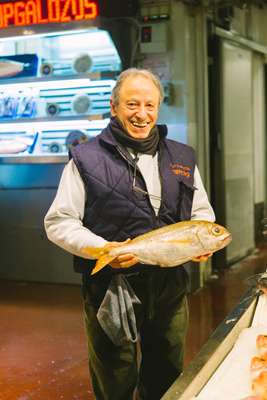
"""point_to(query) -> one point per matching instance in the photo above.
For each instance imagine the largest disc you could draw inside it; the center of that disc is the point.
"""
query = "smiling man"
(129, 180)
(136, 105)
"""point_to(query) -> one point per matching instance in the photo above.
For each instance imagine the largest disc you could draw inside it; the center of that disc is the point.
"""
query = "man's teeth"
(140, 125)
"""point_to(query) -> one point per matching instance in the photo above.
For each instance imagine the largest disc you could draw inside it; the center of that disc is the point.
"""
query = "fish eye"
(216, 230)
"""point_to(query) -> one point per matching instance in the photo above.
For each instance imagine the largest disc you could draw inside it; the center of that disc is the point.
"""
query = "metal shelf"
(60, 158)
(56, 118)
(94, 76)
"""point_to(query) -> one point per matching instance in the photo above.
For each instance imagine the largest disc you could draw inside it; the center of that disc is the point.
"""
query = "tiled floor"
(42, 340)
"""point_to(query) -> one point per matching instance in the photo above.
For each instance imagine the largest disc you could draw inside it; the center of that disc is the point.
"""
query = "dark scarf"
(147, 145)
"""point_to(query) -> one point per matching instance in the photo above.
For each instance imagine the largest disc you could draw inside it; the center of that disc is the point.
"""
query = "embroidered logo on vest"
(179, 169)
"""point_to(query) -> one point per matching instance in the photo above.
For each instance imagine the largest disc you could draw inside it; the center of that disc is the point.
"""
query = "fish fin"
(102, 262)
(94, 252)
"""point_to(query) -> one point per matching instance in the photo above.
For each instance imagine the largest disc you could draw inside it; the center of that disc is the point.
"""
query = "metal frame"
(240, 40)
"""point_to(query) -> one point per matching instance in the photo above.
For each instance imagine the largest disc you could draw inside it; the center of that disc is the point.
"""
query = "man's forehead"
(137, 83)
(135, 80)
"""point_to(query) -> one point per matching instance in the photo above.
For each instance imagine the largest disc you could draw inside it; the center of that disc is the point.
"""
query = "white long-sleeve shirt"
(63, 221)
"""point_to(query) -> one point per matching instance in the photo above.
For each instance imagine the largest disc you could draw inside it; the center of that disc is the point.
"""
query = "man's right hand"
(124, 260)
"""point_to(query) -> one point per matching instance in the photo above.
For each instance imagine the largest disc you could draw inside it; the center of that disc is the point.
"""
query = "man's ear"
(112, 108)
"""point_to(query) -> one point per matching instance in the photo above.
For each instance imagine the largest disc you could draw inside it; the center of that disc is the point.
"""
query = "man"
(129, 180)
(75, 137)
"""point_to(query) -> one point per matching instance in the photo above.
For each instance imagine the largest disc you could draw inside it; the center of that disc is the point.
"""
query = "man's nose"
(141, 112)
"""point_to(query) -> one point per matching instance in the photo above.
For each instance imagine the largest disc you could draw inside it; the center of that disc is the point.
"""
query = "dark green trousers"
(162, 319)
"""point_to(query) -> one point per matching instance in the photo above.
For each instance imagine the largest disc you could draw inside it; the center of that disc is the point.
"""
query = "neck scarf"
(147, 145)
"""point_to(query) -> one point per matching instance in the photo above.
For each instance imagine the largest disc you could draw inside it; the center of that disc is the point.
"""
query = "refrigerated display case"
(54, 78)
(53, 83)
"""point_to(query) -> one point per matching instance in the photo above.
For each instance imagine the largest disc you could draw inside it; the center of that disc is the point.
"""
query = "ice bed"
(221, 370)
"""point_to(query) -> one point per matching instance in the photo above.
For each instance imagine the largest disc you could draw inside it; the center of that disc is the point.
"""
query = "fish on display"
(10, 68)
(262, 282)
(169, 246)
(258, 282)
(262, 285)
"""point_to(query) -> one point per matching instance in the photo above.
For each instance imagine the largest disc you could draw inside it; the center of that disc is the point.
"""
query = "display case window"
(53, 83)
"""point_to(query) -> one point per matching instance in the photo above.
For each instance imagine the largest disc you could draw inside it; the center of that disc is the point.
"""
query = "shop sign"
(29, 12)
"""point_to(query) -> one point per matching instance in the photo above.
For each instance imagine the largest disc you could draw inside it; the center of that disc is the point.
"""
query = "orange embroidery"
(181, 172)
(179, 169)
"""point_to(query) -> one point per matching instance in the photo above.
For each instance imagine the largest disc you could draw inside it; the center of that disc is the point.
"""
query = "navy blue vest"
(113, 209)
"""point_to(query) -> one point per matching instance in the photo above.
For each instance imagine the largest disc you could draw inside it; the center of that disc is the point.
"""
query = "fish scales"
(160, 248)
(169, 246)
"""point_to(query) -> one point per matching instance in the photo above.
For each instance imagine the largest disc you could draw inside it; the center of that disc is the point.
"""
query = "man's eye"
(131, 105)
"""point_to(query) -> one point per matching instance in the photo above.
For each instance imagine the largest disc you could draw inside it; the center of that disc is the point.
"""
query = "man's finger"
(199, 259)
(129, 263)
(124, 261)
(125, 257)
(204, 257)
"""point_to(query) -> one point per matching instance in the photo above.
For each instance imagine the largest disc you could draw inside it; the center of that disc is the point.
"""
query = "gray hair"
(133, 72)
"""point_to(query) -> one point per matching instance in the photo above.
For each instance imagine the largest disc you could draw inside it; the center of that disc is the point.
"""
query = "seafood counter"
(232, 364)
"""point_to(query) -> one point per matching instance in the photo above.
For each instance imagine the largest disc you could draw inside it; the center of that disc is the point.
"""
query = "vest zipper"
(129, 160)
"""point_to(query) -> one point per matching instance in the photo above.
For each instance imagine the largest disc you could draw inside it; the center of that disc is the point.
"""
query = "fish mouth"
(227, 239)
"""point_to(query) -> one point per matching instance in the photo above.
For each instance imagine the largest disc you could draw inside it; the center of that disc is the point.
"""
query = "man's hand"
(123, 261)
(204, 257)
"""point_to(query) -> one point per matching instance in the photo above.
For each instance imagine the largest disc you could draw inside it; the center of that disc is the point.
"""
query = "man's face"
(138, 106)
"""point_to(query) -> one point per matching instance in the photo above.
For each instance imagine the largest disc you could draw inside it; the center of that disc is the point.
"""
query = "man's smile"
(139, 124)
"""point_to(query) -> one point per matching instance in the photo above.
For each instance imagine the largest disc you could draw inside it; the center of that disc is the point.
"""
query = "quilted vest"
(113, 209)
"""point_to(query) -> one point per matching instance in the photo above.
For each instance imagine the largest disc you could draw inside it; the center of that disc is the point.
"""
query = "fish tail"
(101, 254)
(102, 262)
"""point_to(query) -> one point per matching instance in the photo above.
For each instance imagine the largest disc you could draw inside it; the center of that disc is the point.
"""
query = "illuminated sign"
(29, 12)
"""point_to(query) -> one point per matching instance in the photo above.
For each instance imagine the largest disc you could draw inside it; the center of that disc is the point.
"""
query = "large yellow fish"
(169, 246)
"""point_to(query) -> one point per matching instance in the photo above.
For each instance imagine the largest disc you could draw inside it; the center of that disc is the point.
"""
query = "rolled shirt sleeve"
(201, 208)
(63, 221)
